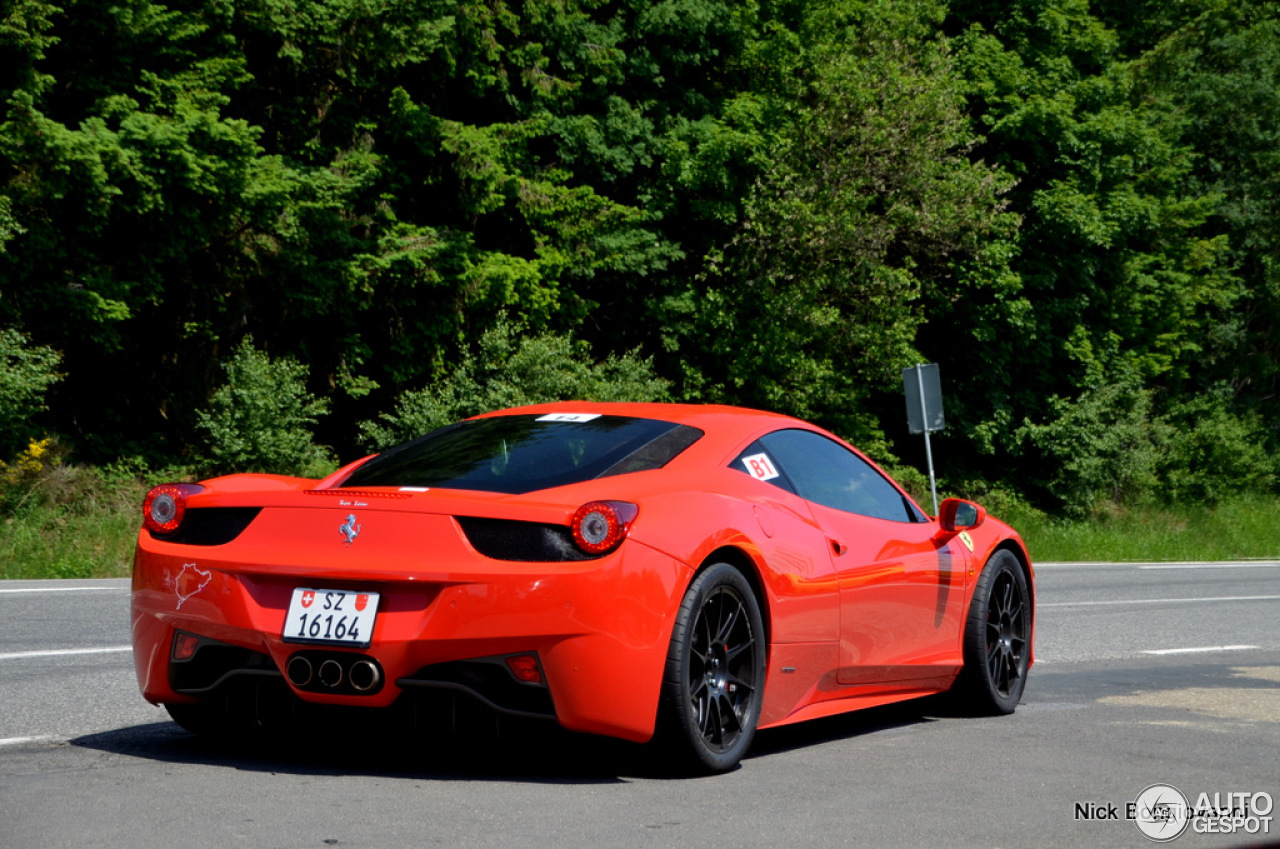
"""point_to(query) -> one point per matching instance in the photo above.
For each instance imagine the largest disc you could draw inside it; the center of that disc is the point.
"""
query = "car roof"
(680, 413)
(726, 428)
(713, 418)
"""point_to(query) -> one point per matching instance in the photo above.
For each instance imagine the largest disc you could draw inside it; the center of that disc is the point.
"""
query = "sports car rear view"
(620, 569)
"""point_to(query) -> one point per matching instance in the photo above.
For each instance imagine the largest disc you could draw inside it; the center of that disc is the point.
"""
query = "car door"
(901, 589)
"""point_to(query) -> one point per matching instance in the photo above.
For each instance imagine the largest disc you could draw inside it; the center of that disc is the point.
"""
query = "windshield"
(517, 454)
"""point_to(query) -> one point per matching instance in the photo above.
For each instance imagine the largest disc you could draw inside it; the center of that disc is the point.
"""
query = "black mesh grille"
(489, 680)
(503, 539)
(211, 525)
(213, 663)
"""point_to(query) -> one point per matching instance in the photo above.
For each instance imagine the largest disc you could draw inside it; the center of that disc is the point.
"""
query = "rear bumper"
(600, 629)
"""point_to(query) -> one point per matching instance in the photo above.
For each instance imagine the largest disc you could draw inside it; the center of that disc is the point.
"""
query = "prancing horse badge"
(349, 529)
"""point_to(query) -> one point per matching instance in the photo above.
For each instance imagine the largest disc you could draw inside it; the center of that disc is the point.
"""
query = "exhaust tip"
(299, 671)
(330, 673)
(364, 676)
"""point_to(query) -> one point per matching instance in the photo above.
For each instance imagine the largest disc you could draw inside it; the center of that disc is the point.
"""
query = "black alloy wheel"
(997, 638)
(715, 669)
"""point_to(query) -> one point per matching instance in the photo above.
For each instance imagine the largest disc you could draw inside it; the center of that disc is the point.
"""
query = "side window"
(827, 473)
(761, 465)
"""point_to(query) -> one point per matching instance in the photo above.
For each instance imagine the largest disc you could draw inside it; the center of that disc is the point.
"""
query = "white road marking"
(1199, 649)
(65, 590)
(1116, 602)
(1211, 566)
(18, 655)
(18, 741)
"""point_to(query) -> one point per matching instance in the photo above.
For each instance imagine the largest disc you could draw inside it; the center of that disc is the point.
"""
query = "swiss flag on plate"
(362, 601)
(308, 597)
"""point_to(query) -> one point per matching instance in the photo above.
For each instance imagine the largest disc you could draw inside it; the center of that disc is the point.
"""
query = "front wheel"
(997, 639)
(714, 678)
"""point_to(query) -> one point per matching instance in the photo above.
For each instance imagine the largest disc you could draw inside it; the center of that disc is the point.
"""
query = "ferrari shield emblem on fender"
(349, 529)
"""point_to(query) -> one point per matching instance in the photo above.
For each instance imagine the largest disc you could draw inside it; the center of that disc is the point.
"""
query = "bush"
(64, 520)
(26, 373)
(1103, 447)
(260, 420)
(23, 473)
(507, 372)
(1109, 448)
(1213, 453)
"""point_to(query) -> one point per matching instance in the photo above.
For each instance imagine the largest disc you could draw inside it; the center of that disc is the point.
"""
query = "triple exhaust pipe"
(334, 673)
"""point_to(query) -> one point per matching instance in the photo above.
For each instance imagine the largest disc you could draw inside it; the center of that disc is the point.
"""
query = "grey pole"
(928, 449)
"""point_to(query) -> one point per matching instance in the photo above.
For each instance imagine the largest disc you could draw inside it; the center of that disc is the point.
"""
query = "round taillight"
(166, 506)
(601, 526)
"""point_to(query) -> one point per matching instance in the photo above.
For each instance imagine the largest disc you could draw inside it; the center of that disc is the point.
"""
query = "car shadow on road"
(817, 732)
(546, 755)
(522, 751)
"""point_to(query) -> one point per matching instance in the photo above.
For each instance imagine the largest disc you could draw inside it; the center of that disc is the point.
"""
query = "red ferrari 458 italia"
(616, 568)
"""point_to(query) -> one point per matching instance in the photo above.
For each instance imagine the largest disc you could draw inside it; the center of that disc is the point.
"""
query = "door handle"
(837, 546)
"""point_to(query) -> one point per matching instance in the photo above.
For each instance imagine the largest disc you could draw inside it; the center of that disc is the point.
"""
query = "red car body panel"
(858, 611)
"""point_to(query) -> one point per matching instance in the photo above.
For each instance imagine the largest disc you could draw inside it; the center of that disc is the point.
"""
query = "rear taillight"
(166, 505)
(601, 526)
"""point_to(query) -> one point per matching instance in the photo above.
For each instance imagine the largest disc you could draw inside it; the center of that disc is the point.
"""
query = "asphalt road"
(1156, 674)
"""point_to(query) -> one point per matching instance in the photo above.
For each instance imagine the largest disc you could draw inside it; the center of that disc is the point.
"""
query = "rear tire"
(200, 718)
(997, 640)
(241, 709)
(714, 680)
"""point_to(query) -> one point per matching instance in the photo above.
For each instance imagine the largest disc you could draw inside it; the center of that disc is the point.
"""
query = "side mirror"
(956, 514)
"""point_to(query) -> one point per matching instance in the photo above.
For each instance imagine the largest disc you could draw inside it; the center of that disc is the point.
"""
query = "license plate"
(336, 617)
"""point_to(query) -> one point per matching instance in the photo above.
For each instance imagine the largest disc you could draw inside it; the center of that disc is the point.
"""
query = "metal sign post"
(923, 388)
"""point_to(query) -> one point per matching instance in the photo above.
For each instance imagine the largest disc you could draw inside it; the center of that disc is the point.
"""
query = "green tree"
(816, 302)
(261, 419)
(773, 202)
(368, 185)
(1218, 65)
(26, 373)
(1117, 275)
(505, 371)
(1103, 447)
(1216, 449)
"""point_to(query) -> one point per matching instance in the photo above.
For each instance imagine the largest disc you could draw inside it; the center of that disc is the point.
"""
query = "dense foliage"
(261, 418)
(26, 373)
(1070, 205)
(505, 371)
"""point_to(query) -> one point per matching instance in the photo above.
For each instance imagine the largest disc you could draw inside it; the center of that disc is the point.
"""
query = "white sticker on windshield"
(568, 417)
(760, 467)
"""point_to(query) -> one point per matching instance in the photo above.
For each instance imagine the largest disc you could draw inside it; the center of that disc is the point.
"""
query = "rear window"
(516, 454)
